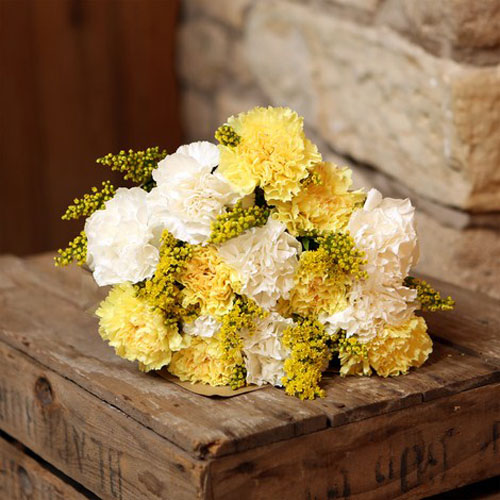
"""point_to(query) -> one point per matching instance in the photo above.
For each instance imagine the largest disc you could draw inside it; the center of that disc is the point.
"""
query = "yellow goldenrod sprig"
(163, 291)
(226, 135)
(236, 221)
(342, 249)
(91, 202)
(429, 298)
(75, 251)
(350, 346)
(310, 354)
(242, 316)
(136, 166)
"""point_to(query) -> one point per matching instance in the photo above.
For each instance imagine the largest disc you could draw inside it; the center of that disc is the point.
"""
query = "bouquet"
(253, 262)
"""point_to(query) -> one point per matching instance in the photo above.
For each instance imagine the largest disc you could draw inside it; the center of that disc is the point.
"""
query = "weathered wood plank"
(68, 342)
(416, 452)
(89, 440)
(472, 327)
(22, 478)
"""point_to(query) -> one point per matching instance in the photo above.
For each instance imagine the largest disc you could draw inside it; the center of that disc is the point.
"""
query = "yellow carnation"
(203, 361)
(398, 348)
(325, 205)
(272, 153)
(136, 330)
(318, 288)
(208, 282)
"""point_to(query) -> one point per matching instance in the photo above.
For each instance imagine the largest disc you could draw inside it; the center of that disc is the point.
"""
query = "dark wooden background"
(78, 79)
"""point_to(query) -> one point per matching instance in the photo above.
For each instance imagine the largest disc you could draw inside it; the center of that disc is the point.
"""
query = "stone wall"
(406, 92)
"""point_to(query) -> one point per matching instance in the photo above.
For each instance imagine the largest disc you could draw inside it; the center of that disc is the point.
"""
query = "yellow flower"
(318, 288)
(203, 361)
(398, 348)
(208, 282)
(323, 206)
(272, 153)
(136, 330)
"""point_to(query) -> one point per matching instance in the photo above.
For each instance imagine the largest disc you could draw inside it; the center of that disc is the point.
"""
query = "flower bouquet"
(253, 262)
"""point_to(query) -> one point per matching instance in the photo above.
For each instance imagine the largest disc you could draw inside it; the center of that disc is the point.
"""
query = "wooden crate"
(118, 433)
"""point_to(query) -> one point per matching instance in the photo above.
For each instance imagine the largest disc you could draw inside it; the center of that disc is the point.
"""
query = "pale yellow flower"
(208, 282)
(273, 153)
(203, 361)
(398, 348)
(324, 204)
(136, 330)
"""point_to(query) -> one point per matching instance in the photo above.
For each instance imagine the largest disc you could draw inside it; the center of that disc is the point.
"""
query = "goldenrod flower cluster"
(429, 298)
(75, 252)
(86, 206)
(209, 284)
(273, 153)
(137, 166)
(343, 252)
(352, 354)
(163, 290)
(137, 330)
(310, 355)
(236, 221)
(227, 136)
(324, 202)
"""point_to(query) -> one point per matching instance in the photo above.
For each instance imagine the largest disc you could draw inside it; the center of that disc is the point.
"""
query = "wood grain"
(68, 342)
(89, 440)
(22, 478)
(416, 452)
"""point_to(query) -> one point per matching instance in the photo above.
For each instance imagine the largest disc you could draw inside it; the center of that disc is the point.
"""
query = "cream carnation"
(188, 196)
(202, 326)
(265, 259)
(369, 308)
(384, 229)
(264, 351)
(120, 242)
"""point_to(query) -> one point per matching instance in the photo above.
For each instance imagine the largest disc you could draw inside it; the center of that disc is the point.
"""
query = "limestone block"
(463, 29)
(203, 50)
(231, 101)
(432, 123)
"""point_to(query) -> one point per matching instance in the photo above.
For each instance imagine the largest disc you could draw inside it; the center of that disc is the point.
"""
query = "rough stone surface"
(429, 122)
(233, 101)
(203, 50)
(465, 30)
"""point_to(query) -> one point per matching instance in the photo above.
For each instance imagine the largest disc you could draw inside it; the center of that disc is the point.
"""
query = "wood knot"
(25, 484)
(43, 391)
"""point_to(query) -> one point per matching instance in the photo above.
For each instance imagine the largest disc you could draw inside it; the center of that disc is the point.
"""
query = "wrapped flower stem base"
(253, 263)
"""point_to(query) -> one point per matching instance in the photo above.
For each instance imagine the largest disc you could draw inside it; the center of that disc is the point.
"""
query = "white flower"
(121, 245)
(371, 306)
(188, 196)
(384, 229)
(202, 326)
(264, 352)
(265, 259)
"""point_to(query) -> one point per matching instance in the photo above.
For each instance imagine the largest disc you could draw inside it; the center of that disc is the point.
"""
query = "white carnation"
(384, 229)
(121, 244)
(264, 352)
(265, 259)
(370, 307)
(202, 326)
(188, 196)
